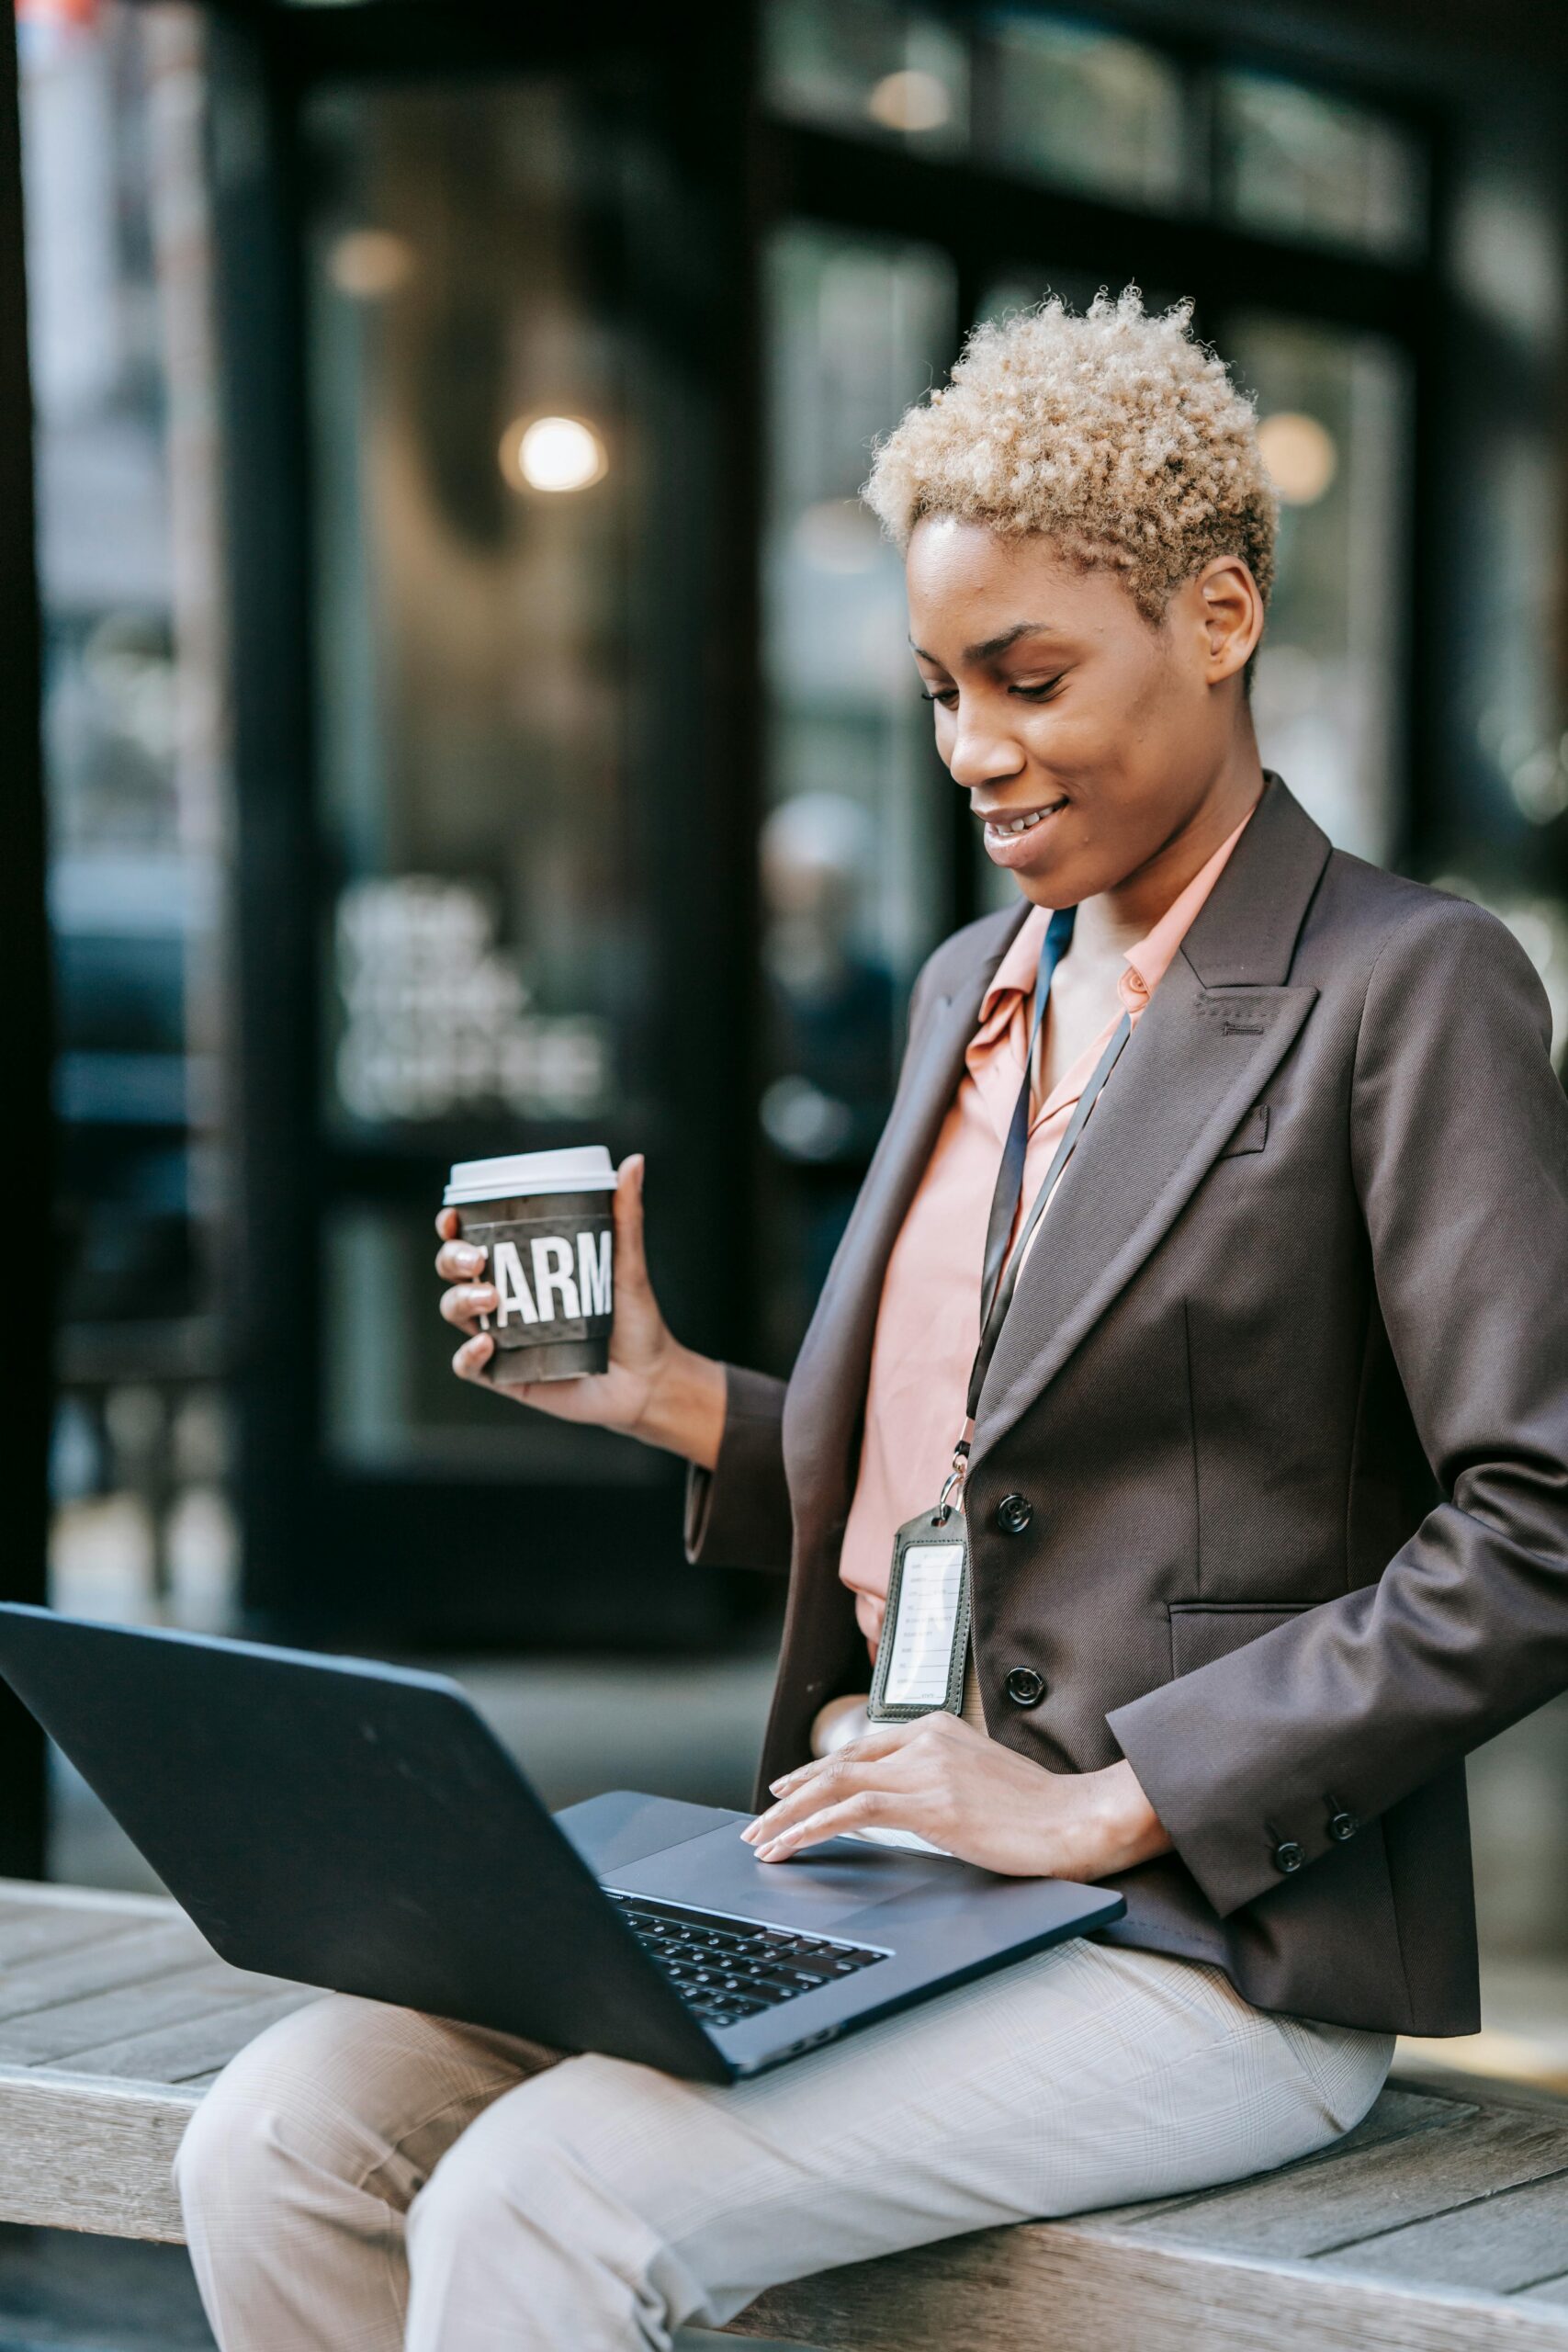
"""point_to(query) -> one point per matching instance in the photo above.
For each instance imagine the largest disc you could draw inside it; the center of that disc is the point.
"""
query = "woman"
(1264, 1469)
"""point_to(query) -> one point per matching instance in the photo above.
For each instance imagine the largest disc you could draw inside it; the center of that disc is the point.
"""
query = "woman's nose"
(982, 753)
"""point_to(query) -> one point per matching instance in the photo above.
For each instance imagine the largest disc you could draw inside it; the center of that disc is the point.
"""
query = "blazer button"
(1024, 1687)
(1342, 1826)
(1014, 1513)
(1287, 1856)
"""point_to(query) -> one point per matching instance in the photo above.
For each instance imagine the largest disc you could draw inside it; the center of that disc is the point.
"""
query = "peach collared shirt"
(928, 1324)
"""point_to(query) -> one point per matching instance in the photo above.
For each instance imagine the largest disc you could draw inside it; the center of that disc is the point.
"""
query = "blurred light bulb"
(367, 264)
(909, 101)
(1299, 453)
(552, 453)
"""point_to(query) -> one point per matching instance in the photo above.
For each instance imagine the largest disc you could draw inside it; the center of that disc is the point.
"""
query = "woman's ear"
(1231, 615)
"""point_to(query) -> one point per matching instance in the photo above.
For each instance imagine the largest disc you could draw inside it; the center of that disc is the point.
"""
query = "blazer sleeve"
(738, 1513)
(1459, 1141)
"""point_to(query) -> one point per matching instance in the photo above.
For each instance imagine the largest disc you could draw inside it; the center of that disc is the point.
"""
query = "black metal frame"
(328, 1546)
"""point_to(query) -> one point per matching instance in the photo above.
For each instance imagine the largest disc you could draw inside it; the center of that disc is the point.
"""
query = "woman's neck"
(1117, 919)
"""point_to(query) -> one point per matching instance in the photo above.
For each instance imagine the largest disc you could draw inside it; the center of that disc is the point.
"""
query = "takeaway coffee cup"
(544, 1218)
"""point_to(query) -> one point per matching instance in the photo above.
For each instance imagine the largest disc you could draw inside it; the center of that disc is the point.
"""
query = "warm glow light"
(367, 264)
(552, 453)
(1299, 453)
(909, 101)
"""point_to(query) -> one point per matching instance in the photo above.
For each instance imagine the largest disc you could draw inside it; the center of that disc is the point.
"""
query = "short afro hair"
(1117, 435)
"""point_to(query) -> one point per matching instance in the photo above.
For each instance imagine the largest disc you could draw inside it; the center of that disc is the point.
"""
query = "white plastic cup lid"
(586, 1168)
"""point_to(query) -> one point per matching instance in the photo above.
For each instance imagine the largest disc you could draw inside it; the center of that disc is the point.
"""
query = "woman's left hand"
(970, 1796)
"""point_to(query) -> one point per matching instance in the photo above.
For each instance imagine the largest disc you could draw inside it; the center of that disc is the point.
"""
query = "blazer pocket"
(1252, 1133)
(1202, 1631)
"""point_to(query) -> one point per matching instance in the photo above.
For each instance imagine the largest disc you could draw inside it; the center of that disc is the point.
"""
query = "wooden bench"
(1439, 2225)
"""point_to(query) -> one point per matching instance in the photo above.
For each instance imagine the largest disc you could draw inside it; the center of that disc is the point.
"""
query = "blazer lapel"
(1220, 1023)
(826, 1389)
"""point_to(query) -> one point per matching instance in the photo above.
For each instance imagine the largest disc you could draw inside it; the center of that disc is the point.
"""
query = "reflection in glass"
(435, 1016)
(1297, 163)
(868, 67)
(853, 848)
(1333, 410)
(1084, 107)
(487, 943)
(123, 379)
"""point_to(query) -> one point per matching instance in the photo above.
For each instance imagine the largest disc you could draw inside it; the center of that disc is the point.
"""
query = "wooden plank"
(1547, 2290)
(29, 1931)
(1503, 2243)
(1081, 2291)
(1395, 2114)
(59, 2036)
(138, 1951)
(103, 1900)
(1487, 2091)
(194, 2046)
(1298, 2214)
(79, 2155)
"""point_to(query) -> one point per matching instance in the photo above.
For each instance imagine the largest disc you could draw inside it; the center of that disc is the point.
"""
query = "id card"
(925, 1630)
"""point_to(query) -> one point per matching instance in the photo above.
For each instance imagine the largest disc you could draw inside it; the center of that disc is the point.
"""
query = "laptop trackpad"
(720, 1873)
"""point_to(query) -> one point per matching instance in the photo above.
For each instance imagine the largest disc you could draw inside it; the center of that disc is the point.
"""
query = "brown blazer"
(1284, 1393)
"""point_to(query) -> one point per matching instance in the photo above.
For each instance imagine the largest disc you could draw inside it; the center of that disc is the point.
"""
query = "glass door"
(512, 450)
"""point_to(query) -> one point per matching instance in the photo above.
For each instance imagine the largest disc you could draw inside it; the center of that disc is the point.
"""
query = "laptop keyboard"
(730, 1968)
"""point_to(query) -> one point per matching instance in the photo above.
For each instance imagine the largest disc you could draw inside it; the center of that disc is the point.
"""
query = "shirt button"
(1014, 1513)
(1024, 1687)
(1342, 1826)
(1287, 1856)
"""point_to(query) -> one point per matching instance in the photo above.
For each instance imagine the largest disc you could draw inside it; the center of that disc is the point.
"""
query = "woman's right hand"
(655, 1389)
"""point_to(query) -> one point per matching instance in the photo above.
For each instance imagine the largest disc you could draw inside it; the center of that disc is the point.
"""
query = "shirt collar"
(1149, 961)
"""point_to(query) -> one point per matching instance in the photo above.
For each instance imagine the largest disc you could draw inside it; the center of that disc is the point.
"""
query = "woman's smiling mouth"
(1007, 832)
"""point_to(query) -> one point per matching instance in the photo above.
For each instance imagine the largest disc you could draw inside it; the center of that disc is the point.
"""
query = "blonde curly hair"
(1117, 435)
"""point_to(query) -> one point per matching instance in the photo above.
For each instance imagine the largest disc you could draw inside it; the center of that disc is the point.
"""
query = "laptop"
(359, 1828)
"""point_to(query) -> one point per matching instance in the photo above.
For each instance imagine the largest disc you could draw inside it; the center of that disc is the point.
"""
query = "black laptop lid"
(348, 1825)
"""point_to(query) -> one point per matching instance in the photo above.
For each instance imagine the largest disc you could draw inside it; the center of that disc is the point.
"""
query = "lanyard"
(1001, 1269)
(924, 1647)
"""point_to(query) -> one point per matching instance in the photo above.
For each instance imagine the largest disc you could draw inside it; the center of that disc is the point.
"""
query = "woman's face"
(1086, 738)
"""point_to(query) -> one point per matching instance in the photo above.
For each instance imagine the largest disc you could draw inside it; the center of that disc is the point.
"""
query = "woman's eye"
(1040, 693)
(945, 695)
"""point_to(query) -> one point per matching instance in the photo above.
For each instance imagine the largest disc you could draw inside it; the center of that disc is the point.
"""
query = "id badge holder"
(924, 1646)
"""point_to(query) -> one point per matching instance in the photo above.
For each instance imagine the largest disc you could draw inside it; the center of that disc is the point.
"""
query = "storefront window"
(476, 471)
(1085, 108)
(1334, 427)
(123, 380)
(1299, 163)
(869, 67)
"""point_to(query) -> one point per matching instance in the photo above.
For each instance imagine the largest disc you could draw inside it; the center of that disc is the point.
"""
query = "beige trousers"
(363, 2179)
